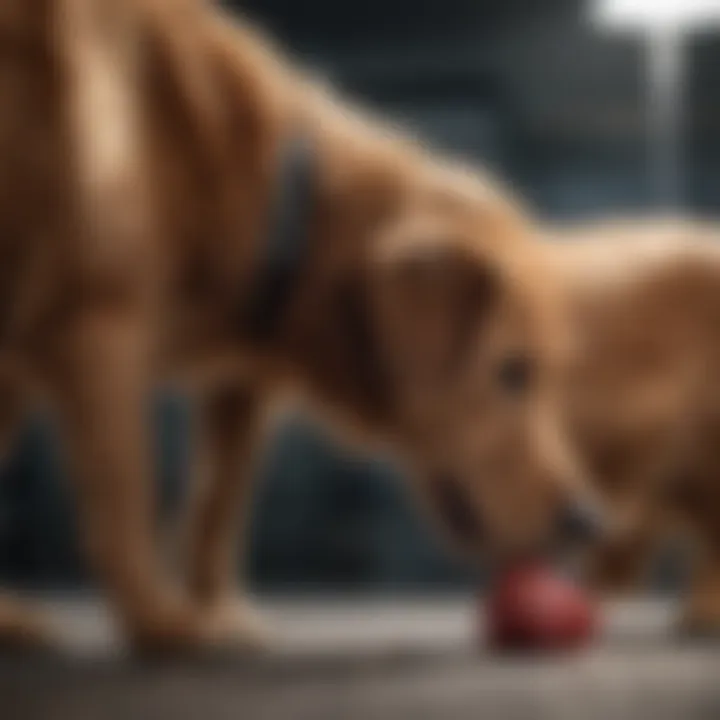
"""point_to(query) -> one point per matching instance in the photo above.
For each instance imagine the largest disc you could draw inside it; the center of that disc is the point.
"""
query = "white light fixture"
(655, 14)
(663, 25)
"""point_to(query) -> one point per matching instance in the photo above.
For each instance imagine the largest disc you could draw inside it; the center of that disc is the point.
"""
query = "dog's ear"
(432, 292)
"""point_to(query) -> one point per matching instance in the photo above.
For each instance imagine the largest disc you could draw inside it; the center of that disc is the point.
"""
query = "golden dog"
(641, 398)
(142, 145)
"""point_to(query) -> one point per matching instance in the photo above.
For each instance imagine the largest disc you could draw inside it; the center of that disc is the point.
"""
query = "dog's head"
(471, 335)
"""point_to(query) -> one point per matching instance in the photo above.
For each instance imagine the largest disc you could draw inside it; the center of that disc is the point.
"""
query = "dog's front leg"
(230, 429)
(102, 388)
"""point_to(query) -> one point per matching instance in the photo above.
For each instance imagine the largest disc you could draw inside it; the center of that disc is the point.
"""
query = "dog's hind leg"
(230, 429)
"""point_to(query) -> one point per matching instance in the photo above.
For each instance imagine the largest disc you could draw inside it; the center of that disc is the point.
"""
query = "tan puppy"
(642, 396)
(141, 144)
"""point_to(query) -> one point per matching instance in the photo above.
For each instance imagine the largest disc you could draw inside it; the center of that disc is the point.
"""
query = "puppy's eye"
(515, 374)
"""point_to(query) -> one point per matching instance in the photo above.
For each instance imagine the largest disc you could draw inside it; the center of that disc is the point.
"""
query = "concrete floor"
(371, 659)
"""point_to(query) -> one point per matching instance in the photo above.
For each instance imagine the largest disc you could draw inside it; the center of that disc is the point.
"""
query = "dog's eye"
(515, 374)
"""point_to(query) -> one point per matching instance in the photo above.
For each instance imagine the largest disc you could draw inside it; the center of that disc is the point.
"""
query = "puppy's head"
(471, 337)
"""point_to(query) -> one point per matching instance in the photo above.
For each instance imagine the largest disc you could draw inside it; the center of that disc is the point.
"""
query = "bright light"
(656, 14)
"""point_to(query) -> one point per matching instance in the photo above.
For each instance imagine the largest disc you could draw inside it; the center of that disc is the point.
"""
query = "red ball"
(534, 608)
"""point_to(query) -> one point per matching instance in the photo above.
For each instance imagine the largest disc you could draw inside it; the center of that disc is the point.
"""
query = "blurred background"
(531, 89)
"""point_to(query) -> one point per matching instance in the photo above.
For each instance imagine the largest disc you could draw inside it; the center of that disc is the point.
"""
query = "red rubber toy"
(532, 608)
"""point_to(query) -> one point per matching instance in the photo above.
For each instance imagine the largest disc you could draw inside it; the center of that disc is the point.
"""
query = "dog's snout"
(581, 521)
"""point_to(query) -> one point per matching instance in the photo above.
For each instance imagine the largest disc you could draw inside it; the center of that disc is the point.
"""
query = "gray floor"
(372, 659)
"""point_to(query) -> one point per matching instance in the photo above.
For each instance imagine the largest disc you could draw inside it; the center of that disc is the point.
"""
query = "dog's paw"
(221, 631)
(24, 629)
(234, 624)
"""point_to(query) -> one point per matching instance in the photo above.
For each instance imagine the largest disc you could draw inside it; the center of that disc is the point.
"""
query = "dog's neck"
(219, 120)
(328, 335)
(365, 181)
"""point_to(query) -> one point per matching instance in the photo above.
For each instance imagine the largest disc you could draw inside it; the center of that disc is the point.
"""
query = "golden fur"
(140, 144)
(640, 397)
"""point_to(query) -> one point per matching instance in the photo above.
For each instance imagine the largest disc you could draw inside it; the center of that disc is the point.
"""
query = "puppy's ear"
(432, 292)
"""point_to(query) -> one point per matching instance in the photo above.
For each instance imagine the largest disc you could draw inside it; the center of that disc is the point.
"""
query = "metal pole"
(665, 115)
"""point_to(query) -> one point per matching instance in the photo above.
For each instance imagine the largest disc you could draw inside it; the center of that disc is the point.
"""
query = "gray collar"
(287, 246)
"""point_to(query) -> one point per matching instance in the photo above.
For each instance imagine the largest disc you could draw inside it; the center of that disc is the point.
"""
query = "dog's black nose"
(581, 521)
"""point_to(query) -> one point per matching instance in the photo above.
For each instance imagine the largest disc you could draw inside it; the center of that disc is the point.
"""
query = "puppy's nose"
(581, 521)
